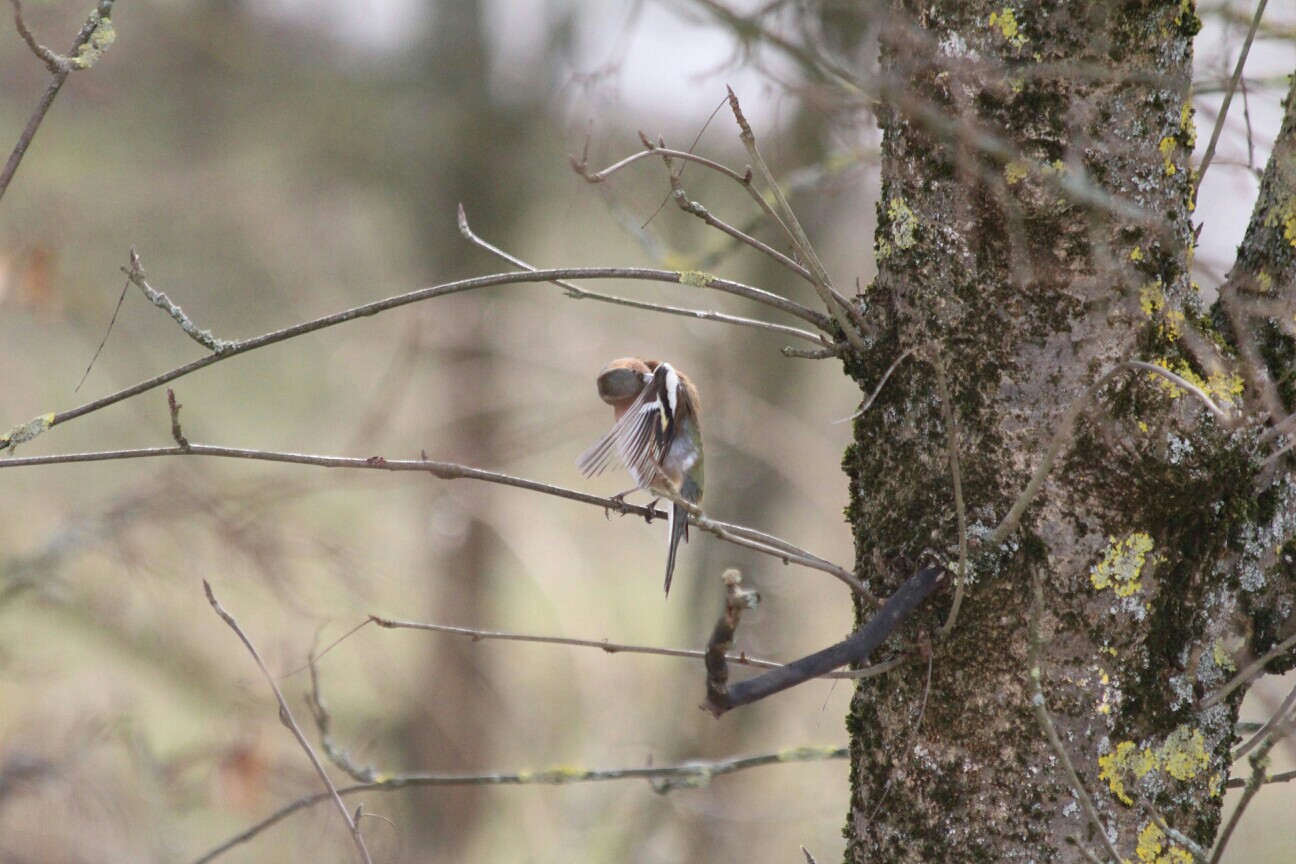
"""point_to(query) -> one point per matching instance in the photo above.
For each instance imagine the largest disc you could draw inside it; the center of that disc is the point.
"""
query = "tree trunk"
(1034, 231)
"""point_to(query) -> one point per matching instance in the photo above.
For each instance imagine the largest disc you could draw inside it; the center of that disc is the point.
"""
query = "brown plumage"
(657, 435)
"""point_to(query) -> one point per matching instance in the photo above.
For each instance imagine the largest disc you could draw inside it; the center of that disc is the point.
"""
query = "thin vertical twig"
(1259, 770)
(286, 718)
(852, 321)
(1228, 94)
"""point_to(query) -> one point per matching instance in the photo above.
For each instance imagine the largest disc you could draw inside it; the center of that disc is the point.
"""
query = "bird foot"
(619, 498)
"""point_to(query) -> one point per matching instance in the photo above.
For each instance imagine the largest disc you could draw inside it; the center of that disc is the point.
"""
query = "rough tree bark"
(1035, 229)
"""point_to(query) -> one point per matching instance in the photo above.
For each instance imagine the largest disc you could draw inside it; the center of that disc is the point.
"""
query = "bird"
(656, 434)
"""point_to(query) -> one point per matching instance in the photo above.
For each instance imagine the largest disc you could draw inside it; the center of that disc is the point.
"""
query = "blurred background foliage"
(276, 161)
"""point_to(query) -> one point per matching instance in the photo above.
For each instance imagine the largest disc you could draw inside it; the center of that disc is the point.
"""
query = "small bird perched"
(656, 435)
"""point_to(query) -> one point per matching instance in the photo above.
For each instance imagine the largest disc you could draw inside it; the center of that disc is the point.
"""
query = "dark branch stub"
(855, 649)
(174, 407)
(737, 598)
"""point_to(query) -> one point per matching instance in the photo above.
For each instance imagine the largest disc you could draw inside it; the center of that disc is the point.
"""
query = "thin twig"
(1251, 671)
(769, 545)
(324, 724)
(743, 180)
(1067, 424)
(1259, 768)
(807, 178)
(664, 778)
(83, 54)
(1036, 675)
(577, 293)
(881, 383)
(286, 718)
(121, 298)
(53, 62)
(1194, 849)
(695, 208)
(1228, 95)
(960, 512)
(1272, 729)
(608, 647)
(841, 309)
(1284, 777)
(582, 167)
(813, 354)
(736, 534)
(135, 273)
(243, 346)
(1246, 119)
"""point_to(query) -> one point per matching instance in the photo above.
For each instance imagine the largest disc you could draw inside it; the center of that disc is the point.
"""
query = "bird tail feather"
(678, 531)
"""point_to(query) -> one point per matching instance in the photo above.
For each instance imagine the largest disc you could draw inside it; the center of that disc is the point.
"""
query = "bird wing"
(643, 435)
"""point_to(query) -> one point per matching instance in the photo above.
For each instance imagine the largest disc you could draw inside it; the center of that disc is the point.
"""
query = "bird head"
(621, 381)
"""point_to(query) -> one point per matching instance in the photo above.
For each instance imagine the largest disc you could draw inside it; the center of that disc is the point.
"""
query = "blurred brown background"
(273, 162)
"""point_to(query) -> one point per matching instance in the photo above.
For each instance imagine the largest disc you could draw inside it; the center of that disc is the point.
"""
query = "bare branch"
(324, 723)
(1283, 777)
(664, 779)
(699, 280)
(135, 273)
(694, 208)
(855, 649)
(577, 293)
(1195, 850)
(285, 717)
(1259, 768)
(608, 647)
(736, 534)
(841, 309)
(53, 62)
(1251, 672)
(93, 39)
(769, 545)
(815, 354)
(744, 180)
(604, 645)
(1272, 728)
(581, 166)
(1228, 95)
